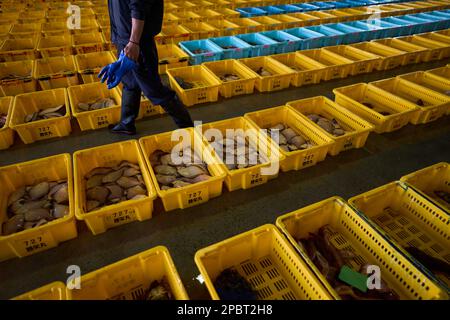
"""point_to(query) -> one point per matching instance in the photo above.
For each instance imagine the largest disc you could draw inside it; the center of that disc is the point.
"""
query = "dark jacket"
(121, 12)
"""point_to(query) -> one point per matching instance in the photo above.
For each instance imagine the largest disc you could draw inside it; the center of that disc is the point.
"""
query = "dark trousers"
(146, 80)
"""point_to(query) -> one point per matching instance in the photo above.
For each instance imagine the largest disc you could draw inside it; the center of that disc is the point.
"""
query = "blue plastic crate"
(273, 10)
(286, 42)
(405, 28)
(351, 34)
(232, 47)
(340, 4)
(214, 52)
(380, 31)
(354, 3)
(441, 22)
(251, 12)
(331, 37)
(311, 39)
(423, 25)
(444, 15)
(389, 29)
(369, 32)
(307, 7)
(289, 8)
(323, 5)
(260, 45)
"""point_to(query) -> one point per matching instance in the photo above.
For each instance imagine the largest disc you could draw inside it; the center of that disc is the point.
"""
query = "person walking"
(134, 24)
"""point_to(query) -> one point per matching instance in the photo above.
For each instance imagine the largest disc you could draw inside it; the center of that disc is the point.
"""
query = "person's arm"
(138, 11)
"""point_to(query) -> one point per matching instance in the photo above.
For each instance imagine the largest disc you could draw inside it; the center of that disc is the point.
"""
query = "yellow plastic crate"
(171, 56)
(33, 36)
(5, 28)
(417, 7)
(104, 22)
(299, 159)
(267, 261)
(252, 176)
(341, 15)
(171, 19)
(6, 133)
(18, 29)
(188, 16)
(406, 218)
(228, 89)
(26, 83)
(95, 119)
(288, 21)
(106, 35)
(100, 10)
(445, 32)
(148, 109)
(227, 28)
(432, 105)
(435, 36)
(28, 103)
(200, 30)
(324, 17)
(205, 14)
(9, 15)
(306, 71)
(47, 236)
(52, 291)
(430, 179)
(358, 128)
(87, 25)
(86, 12)
(53, 46)
(130, 278)
(280, 78)
(248, 25)
(354, 96)
(306, 18)
(269, 23)
(173, 34)
(55, 29)
(390, 57)
(363, 62)
(428, 80)
(88, 42)
(355, 234)
(100, 220)
(56, 72)
(17, 50)
(192, 195)
(226, 12)
(440, 75)
(436, 50)
(413, 52)
(90, 64)
(442, 72)
(171, 7)
(335, 67)
(206, 85)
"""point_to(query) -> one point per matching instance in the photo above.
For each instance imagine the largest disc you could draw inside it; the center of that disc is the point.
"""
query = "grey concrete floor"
(383, 159)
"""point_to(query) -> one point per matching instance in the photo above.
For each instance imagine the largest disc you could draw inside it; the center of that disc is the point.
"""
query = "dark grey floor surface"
(384, 158)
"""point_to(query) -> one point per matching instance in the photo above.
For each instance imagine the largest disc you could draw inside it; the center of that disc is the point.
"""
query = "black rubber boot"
(131, 102)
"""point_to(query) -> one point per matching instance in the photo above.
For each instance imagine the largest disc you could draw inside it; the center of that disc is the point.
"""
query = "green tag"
(353, 278)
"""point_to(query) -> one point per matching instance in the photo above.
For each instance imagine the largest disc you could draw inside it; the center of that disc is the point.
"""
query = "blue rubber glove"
(126, 65)
(107, 73)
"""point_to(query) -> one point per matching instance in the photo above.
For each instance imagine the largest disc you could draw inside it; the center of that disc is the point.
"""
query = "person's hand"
(132, 51)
